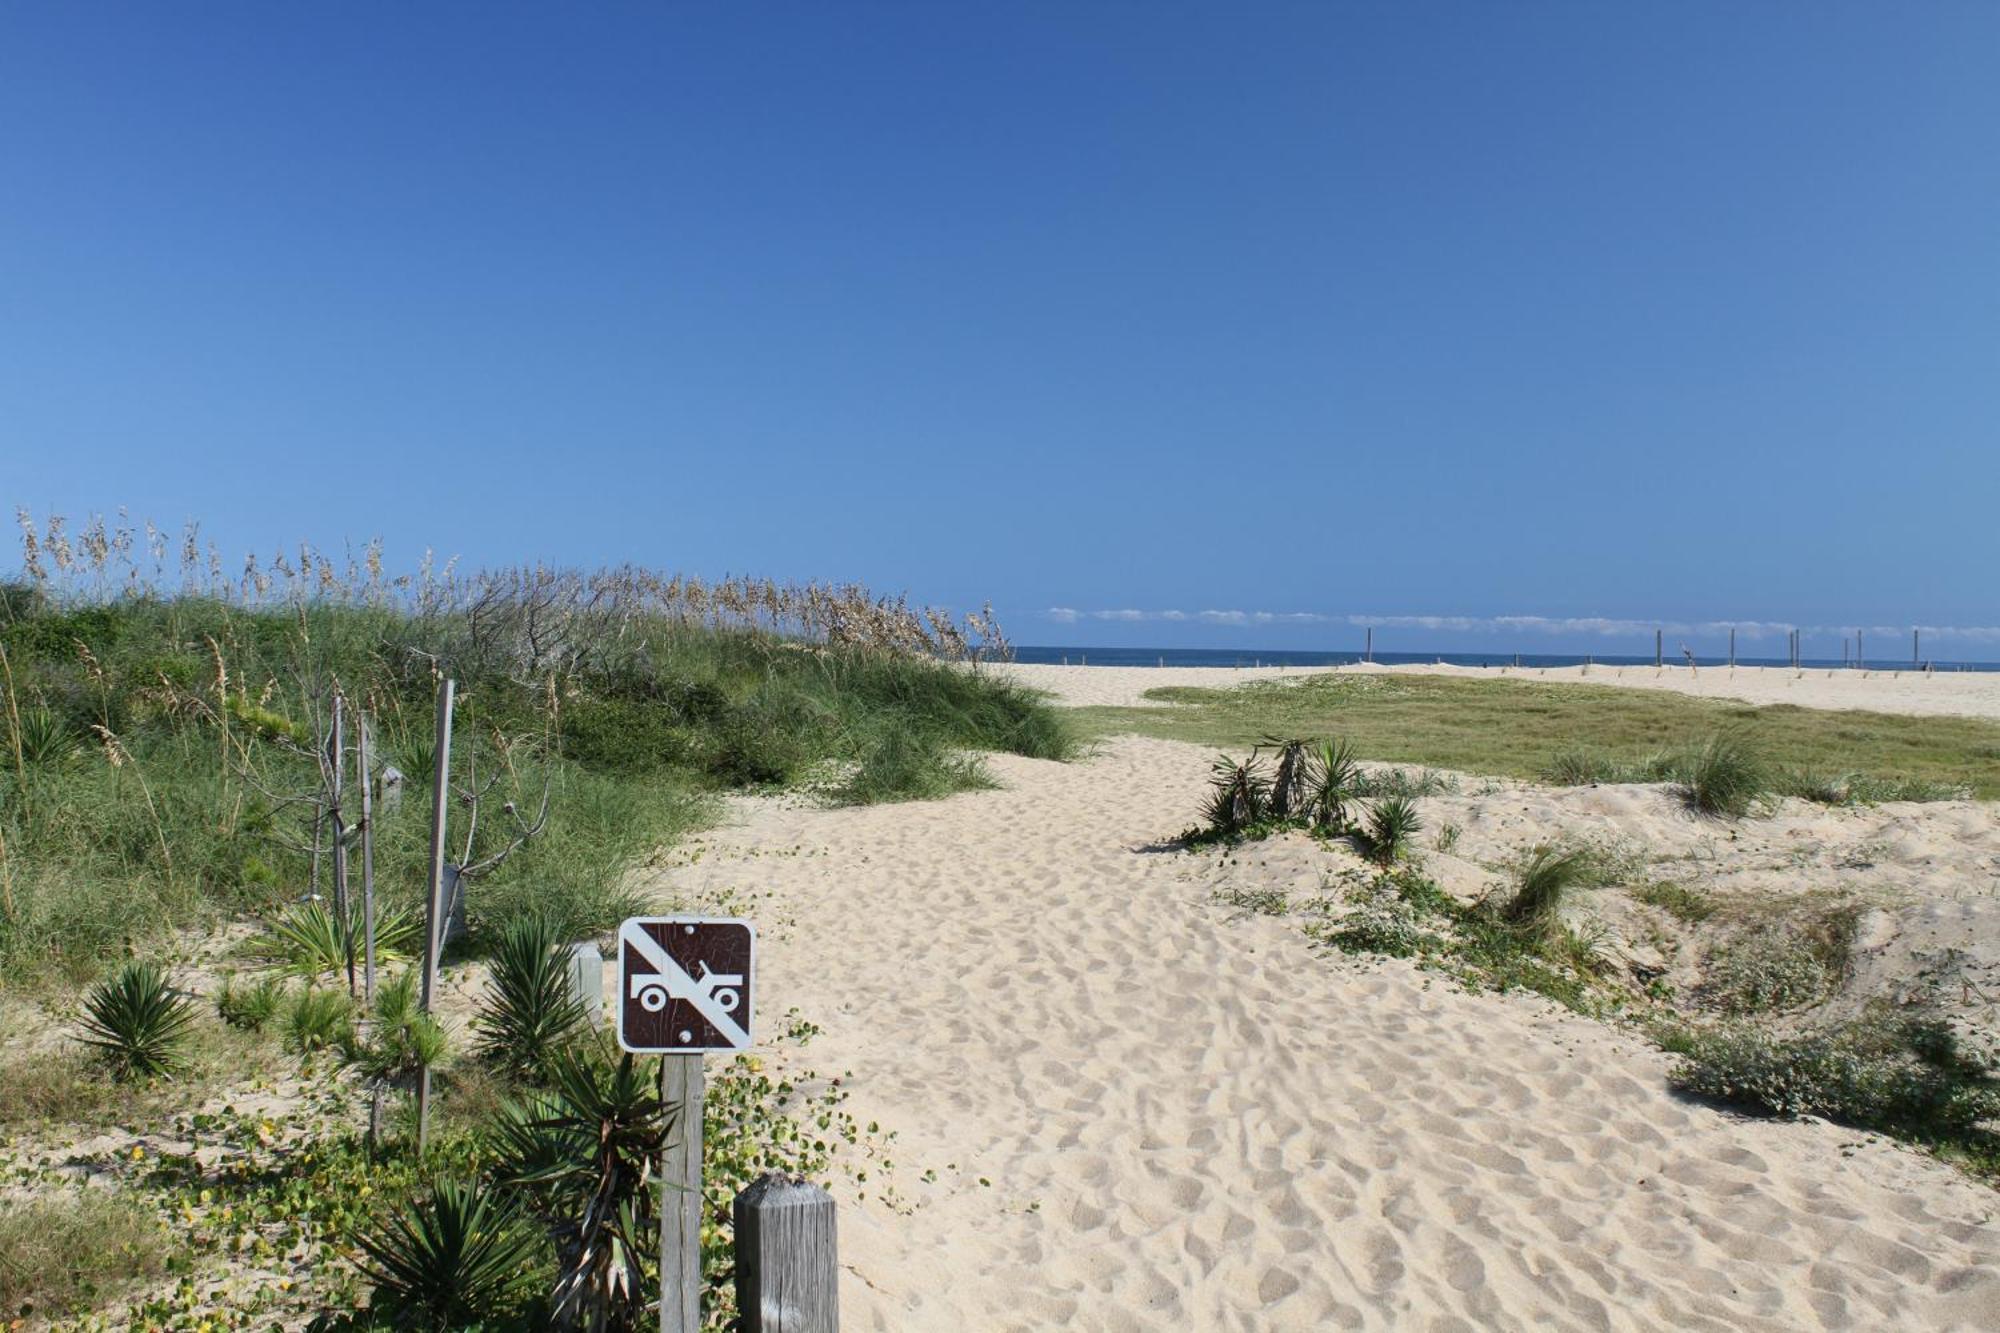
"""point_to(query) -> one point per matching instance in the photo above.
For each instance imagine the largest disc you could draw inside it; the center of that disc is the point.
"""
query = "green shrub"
(138, 1023)
(1381, 921)
(1904, 1075)
(1773, 966)
(401, 1039)
(626, 735)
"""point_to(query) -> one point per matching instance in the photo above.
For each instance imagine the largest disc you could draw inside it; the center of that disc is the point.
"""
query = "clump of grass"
(905, 766)
(1723, 778)
(61, 1255)
(251, 1007)
(1399, 782)
(1906, 1075)
(1575, 766)
(1393, 825)
(1677, 900)
(1847, 789)
(319, 1020)
(1544, 880)
(138, 1023)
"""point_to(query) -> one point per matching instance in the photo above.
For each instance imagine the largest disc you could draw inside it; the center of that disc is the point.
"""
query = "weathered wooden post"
(787, 1270)
(682, 1084)
(434, 899)
(343, 912)
(1916, 648)
(1368, 653)
(1732, 647)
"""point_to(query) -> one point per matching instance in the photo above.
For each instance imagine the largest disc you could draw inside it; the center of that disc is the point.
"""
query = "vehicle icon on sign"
(654, 990)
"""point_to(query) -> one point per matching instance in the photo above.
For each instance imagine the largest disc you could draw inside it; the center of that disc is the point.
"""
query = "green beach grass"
(1517, 729)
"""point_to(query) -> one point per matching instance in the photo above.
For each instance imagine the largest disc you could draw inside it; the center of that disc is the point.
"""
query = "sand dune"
(1967, 693)
(1191, 1120)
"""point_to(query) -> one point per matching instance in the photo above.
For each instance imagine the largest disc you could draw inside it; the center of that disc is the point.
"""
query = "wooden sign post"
(684, 988)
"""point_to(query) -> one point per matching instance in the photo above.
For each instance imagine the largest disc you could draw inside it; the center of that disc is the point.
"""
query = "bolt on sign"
(684, 984)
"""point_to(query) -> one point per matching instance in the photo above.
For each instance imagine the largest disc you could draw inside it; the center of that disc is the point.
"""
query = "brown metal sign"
(684, 984)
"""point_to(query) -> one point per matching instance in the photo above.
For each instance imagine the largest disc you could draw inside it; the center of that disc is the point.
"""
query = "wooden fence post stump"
(787, 1275)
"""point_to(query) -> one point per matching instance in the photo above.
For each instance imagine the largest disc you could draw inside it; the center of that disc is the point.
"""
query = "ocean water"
(1244, 657)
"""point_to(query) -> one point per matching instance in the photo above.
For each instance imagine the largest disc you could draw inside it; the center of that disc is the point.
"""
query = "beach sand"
(1966, 693)
(1121, 1104)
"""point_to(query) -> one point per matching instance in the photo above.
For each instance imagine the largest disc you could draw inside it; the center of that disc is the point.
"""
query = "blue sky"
(1682, 313)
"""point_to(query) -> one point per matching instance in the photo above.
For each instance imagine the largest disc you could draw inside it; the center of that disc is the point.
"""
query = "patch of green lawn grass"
(1514, 728)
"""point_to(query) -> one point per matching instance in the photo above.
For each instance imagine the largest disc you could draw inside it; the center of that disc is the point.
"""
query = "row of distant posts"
(686, 988)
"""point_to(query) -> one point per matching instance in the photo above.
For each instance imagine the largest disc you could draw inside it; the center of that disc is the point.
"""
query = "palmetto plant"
(461, 1258)
(1391, 825)
(138, 1022)
(602, 1193)
(319, 1020)
(309, 940)
(402, 1039)
(531, 1009)
(1330, 785)
(1239, 794)
(251, 1007)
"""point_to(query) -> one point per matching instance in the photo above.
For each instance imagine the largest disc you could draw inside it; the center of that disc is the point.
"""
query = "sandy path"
(1967, 693)
(1190, 1121)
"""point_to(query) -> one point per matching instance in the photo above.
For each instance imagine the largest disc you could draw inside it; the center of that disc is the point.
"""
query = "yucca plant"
(45, 738)
(1392, 824)
(138, 1023)
(530, 1008)
(609, 1206)
(309, 940)
(1331, 786)
(1239, 794)
(1545, 880)
(251, 1007)
(319, 1020)
(532, 1144)
(1289, 778)
(461, 1258)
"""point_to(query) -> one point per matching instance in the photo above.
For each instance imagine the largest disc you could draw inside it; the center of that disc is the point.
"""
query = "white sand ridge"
(1192, 1121)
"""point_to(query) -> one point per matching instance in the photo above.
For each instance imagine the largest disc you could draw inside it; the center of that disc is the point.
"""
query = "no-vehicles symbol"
(684, 984)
